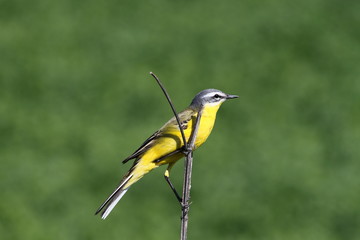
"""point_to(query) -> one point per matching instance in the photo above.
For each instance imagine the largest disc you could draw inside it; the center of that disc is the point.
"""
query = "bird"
(165, 146)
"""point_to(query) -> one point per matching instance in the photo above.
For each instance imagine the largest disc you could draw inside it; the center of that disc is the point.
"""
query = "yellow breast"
(206, 124)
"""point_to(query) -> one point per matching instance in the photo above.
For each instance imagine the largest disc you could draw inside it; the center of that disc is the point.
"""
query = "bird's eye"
(217, 96)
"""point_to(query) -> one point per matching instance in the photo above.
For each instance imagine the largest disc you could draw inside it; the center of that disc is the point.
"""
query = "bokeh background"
(76, 98)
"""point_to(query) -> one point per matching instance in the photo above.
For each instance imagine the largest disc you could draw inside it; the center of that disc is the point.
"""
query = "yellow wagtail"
(165, 145)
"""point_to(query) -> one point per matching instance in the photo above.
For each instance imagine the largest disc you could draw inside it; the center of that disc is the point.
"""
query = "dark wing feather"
(185, 116)
(142, 148)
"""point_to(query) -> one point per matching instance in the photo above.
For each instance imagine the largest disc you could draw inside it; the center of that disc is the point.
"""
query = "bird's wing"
(143, 147)
(184, 116)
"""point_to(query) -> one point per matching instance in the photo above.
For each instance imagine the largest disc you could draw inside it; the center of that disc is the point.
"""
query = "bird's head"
(210, 97)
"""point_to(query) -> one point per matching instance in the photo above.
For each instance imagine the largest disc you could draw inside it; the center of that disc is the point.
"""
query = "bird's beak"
(228, 96)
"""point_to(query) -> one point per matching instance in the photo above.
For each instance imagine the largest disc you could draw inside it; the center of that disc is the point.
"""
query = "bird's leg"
(173, 189)
(167, 178)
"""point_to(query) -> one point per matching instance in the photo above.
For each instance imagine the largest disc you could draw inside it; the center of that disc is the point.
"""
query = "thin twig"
(192, 139)
(187, 180)
(172, 107)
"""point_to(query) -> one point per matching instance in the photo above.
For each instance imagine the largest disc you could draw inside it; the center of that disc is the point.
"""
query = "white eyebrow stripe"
(211, 94)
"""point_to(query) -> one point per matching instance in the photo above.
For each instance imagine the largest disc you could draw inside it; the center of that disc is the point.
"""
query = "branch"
(172, 107)
(187, 179)
(188, 151)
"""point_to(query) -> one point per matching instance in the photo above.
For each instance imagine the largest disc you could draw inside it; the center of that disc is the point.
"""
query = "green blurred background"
(76, 98)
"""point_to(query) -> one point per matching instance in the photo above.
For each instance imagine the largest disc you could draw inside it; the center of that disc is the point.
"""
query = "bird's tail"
(138, 170)
(115, 197)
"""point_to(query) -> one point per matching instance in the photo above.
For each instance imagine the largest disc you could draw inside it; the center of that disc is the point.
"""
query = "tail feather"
(113, 203)
(113, 199)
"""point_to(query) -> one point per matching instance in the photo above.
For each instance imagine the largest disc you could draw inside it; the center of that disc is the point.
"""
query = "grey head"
(210, 96)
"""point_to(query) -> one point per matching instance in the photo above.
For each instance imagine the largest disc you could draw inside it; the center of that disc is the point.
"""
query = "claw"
(186, 150)
(185, 209)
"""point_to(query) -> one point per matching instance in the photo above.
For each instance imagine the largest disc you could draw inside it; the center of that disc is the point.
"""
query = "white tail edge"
(113, 204)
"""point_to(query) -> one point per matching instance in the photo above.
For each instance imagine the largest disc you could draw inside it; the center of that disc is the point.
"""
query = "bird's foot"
(184, 209)
(187, 150)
